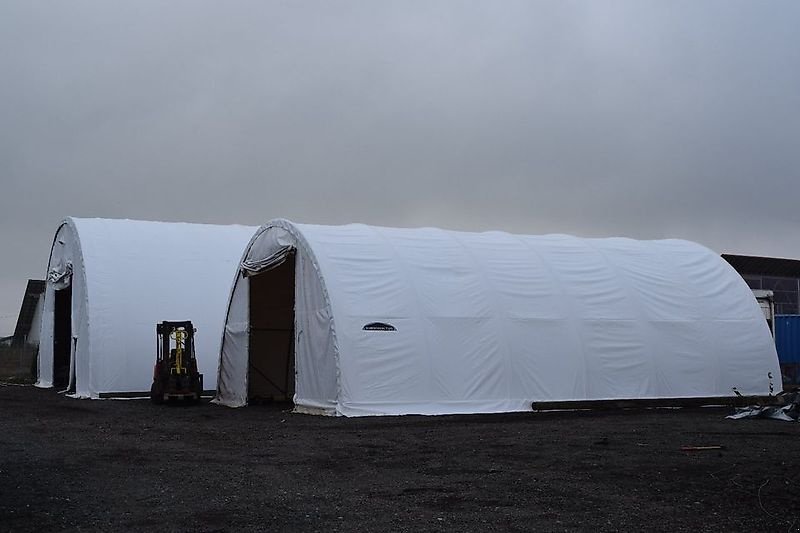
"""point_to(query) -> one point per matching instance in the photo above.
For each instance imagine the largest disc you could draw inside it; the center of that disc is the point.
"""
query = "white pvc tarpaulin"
(427, 321)
(126, 276)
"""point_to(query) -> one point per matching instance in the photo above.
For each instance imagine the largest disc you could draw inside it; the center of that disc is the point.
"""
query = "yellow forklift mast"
(175, 374)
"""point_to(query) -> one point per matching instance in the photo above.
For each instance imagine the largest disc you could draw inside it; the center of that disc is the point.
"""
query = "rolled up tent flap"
(60, 276)
(272, 249)
(251, 268)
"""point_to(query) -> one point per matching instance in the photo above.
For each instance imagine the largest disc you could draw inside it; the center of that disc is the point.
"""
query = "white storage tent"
(358, 320)
(110, 281)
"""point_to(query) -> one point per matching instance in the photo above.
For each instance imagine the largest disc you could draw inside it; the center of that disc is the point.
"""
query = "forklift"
(175, 375)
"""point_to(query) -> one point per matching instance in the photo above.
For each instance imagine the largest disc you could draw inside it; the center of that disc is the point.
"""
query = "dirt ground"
(83, 465)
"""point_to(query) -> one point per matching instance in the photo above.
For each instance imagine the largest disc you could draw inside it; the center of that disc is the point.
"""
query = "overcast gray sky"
(647, 119)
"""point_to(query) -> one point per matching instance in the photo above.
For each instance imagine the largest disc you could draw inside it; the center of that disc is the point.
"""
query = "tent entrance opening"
(62, 337)
(271, 369)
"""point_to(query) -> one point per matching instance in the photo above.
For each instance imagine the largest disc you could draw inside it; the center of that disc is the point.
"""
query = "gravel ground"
(82, 465)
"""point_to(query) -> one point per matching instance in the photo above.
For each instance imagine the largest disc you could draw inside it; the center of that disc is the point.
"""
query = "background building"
(781, 276)
(18, 352)
(30, 315)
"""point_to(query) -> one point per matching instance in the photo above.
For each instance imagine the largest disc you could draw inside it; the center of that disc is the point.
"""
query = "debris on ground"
(786, 406)
(700, 448)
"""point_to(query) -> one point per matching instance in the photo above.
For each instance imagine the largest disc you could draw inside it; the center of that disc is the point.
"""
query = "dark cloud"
(639, 118)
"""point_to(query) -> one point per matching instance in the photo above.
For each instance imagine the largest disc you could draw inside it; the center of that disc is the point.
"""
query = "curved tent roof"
(125, 276)
(427, 321)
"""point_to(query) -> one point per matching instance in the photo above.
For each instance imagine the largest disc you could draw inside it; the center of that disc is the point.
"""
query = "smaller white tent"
(110, 281)
(358, 320)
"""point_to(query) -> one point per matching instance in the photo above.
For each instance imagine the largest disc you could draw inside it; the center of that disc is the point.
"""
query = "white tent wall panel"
(235, 341)
(315, 364)
(45, 357)
(492, 321)
(129, 275)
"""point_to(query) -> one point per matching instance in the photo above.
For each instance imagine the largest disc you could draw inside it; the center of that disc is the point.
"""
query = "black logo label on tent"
(379, 326)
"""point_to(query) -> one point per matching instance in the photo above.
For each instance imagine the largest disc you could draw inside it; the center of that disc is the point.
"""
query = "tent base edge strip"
(135, 394)
(649, 403)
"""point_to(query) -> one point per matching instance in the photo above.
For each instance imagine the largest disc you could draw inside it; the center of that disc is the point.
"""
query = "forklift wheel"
(156, 394)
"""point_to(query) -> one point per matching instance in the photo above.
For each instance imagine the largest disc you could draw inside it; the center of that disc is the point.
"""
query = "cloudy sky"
(640, 118)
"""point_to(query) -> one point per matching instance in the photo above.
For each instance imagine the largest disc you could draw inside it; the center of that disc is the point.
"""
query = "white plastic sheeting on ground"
(126, 276)
(491, 322)
(785, 406)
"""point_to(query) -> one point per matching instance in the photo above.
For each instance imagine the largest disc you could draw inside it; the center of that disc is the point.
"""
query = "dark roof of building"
(764, 266)
(33, 292)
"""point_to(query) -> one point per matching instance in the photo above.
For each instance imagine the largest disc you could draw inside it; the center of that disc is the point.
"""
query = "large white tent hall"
(110, 281)
(358, 320)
